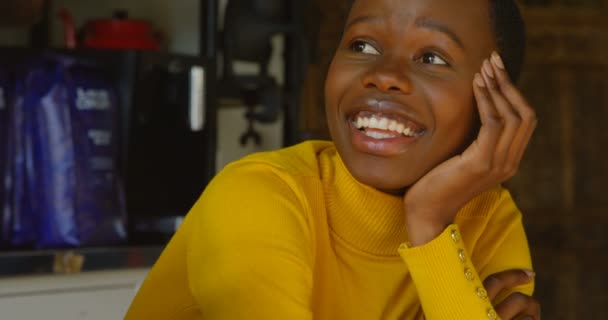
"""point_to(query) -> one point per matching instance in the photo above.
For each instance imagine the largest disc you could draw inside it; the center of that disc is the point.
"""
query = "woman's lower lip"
(380, 147)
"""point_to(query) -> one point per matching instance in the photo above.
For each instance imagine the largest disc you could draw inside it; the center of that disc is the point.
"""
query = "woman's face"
(399, 96)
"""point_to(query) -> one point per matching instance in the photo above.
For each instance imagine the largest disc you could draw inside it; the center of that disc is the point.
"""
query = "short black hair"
(509, 32)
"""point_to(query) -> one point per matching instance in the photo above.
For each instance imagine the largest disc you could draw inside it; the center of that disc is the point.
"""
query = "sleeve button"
(462, 256)
(482, 293)
(469, 274)
(492, 314)
(455, 236)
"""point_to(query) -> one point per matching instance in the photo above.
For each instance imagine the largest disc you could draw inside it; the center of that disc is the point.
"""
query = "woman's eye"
(431, 58)
(364, 47)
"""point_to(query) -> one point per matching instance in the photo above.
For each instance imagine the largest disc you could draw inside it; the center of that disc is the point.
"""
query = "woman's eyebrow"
(427, 23)
(362, 19)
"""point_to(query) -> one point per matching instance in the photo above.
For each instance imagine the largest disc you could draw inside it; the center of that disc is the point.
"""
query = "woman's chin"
(385, 183)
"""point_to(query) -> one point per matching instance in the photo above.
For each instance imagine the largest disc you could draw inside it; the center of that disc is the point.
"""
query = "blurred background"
(200, 83)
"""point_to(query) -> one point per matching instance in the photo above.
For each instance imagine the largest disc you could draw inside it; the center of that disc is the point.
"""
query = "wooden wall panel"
(566, 79)
(590, 124)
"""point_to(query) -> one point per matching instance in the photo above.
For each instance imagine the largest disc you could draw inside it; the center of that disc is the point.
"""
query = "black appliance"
(169, 156)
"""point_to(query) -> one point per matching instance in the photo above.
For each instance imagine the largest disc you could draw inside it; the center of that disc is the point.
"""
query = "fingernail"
(479, 81)
(497, 60)
(488, 68)
(530, 273)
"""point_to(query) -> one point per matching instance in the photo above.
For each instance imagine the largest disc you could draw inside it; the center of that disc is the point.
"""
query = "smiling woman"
(401, 216)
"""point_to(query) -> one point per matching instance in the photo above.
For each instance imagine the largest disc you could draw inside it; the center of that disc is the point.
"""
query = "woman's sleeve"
(250, 254)
(449, 280)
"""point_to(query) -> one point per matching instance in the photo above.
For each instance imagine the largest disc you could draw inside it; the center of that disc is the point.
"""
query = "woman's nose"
(388, 77)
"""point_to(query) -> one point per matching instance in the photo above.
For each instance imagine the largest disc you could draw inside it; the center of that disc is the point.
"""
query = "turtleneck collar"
(368, 219)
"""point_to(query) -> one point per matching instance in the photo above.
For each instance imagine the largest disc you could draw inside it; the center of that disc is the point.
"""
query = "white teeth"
(359, 123)
(392, 126)
(383, 123)
(378, 135)
(373, 123)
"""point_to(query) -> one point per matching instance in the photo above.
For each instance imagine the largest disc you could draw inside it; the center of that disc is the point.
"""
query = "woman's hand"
(517, 305)
(507, 123)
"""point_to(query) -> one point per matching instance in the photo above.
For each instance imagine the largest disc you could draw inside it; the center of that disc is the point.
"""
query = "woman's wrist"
(423, 233)
(422, 228)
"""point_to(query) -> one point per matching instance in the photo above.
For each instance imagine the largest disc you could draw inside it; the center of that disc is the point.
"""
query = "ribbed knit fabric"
(290, 234)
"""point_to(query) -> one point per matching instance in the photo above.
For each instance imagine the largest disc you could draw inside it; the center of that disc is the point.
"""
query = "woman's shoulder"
(262, 196)
(299, 160)
(291, 173)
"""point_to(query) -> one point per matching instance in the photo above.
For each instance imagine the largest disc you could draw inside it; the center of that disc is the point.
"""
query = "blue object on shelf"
(99, 204)
(20, 224)
(65, 188)
(51, 182)
(5, 101)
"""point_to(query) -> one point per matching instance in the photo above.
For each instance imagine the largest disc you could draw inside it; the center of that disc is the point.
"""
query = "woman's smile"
(383, 129)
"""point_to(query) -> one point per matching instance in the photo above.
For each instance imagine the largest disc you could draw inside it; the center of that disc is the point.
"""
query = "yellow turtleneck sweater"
(290, 234)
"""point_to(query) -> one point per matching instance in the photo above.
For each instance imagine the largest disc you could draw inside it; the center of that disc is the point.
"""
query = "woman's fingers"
(518, 306)
(518, 103)
(509, 116)
(507, 121)
(507, 279)
(491, 123)
(506, 86)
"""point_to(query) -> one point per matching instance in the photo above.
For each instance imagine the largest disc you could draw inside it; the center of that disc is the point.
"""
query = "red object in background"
(116, 33)
(69, 31)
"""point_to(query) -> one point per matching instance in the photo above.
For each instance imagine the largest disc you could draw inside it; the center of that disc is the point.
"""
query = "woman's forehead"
(465, 20)
(449, 11)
